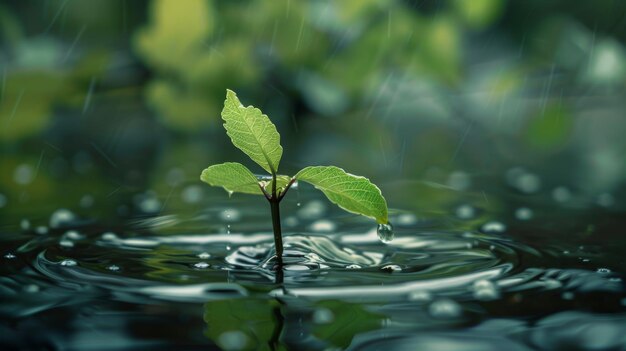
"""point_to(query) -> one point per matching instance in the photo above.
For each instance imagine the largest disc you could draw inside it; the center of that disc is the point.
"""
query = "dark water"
(540, 272)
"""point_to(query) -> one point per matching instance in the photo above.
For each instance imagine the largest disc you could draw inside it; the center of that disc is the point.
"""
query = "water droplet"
(392, 268)
(24, 224)
(73, 235)
(113, 268)
(385, 232)
(41, 230)
(603, 270)
(228, 229)
(31, 288)
(230, 215)
(201, 265)
(353, 266)
(323, 316)
(406, 219)
(298, 204)
(493, 227)
(148, 203)
(523, 180)
(465, 212)
(24, 174)
(9, 256)
(61, 217)
(323, 226)
(68, 263)
(523, 213)
(485, 290)
(422, 296)
(232, 340)
(445, 309)
(68, 244)
(192, 194)
(86, 201)
(561, 194)
(108, 236)
(3, 200)
(204, 255)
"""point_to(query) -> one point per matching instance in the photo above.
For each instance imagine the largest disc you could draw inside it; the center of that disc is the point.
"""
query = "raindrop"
(9, 256)
(385, 232)
(68, 263)
(113, 268)
(68, 244)
(323, 316)
(523, 213)
(73, 235)
(204, 255)
(603, 270)
(232, 340)
(230, 215)
(392, 268)
(493, 227)
(523, 180)
(445, 309)
(3, 200)
(201, 265)
(485, 290)
(24, 174)
(61, 217)
(353, 266)
(192, 194)
(323, 225)
(108, 236)
(41, 230)
(465, 212)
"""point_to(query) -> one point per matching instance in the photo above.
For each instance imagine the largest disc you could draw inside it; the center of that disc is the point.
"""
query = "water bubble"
(605, 200)
(204, 255)
(3, 200)
(312, 210)
(465, 212)
(523, 213)
(603, 270)
(353, 266)
(485, 290)
(523, 180)
(24, 224)
(24, 174)
(323, 316)
(61, 217)
(459, 180)
(149, 203)
(68, 244)
(232, 340)
(68, 263)
(113, 268)
(86, 201)
(406, 219)
(385, 232)
(9, 256)
(391, 268)
(561, 194)
(201, 265)
(31, 288)
(192, 194)
(493, 227)
(445, 309)
(230, 215)
(41, 230)
(420, 295)
(323, 225)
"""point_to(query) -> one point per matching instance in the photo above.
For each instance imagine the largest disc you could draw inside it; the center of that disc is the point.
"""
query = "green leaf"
(352, 193)
(252, 132)
(232, 176)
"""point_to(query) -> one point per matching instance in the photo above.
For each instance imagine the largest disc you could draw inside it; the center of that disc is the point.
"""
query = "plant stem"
(278, 236)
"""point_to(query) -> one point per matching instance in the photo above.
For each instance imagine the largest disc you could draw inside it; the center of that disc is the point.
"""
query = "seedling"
(253, 133)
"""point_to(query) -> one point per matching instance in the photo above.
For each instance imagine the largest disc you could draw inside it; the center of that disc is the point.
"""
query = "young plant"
(253, 133)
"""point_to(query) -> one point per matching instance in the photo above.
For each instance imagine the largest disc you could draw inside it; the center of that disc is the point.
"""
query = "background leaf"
(352, 193)
(232, 176)
(252, 132)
